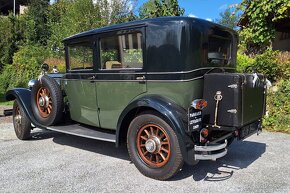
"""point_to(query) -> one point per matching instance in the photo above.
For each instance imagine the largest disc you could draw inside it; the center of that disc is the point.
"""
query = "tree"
(37, 30)
(12, 35)
(68, 17)
(159, 8)
(6, 41)
(228, 18)
(260, 17)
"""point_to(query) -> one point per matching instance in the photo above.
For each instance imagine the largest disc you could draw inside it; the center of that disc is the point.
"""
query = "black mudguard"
(174, 114)
(23, 96)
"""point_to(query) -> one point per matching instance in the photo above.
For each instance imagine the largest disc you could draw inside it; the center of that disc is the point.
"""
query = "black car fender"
(175, 115)
(23, 96)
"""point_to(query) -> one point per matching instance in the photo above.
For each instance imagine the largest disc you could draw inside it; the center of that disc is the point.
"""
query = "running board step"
(84, 131)
(8, 112)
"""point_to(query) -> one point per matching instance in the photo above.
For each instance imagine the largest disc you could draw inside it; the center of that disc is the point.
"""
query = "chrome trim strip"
(211, 148)
(80, 70)
(154, 73)
(210, 157)
(119, 69)
(187, 72)
(188, 80)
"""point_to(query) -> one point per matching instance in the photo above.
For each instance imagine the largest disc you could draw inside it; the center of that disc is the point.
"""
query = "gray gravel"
(54, 162)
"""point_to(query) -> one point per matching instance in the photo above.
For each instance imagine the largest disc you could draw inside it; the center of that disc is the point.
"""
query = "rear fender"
(175, 115)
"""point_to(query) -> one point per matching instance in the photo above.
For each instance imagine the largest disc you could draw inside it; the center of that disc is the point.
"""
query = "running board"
(84, 131)
(8, 112)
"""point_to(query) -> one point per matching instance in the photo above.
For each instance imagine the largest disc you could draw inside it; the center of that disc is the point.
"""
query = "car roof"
(139, 23)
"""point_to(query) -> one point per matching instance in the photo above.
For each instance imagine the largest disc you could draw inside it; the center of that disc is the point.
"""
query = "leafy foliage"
(36, 29)
(274, 64)
(159, 8)
(229, 18)
(11, 29)
(278, 108)
(6, 41)
(261, 16)
(244, 62)
(26, 66)
(68, 17)
(267, 64)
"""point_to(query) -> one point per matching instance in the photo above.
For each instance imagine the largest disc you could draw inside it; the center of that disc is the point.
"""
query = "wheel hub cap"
(150, 145)
(43, 101)
(153, 145)
(18, 119)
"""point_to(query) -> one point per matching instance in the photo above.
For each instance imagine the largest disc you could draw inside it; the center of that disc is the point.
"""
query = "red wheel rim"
(44, 102)
(153, 145)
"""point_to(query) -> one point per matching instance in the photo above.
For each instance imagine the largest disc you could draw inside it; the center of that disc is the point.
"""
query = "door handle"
(140, 77)
(92, 78)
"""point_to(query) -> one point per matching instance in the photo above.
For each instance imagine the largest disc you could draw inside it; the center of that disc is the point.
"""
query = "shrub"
(278, 108)
(26, 66)
(284, 64)
(244, 62)
(267, 64)
(58, 62)
(274, 64)
(5, 78)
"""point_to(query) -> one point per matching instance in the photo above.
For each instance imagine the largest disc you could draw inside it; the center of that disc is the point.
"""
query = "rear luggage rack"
(207, 152)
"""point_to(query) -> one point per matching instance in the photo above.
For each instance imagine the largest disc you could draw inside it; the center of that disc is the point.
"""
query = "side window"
(81, 56)
(122, 52)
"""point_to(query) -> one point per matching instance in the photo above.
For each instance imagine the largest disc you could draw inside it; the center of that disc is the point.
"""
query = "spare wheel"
(47, 101)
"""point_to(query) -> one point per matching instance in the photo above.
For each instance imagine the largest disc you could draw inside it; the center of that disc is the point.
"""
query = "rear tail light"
(204, 133)
(199, 104)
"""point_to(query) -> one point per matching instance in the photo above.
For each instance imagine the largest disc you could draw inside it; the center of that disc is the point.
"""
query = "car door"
(79, 84)
(121, 76)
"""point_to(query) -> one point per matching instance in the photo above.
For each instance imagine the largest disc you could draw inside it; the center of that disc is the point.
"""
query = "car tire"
(163, 158)
(22, 125)
(47, 101)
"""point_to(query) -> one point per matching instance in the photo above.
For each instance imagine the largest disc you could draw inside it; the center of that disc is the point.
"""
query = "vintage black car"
(167, 87)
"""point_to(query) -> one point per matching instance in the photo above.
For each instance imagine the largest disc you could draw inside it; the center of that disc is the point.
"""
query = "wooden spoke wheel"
(153, 145)
(47, 101)
(44, 102)
(22, 125)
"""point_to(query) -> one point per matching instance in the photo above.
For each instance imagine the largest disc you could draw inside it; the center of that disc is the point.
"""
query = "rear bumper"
(210, 152)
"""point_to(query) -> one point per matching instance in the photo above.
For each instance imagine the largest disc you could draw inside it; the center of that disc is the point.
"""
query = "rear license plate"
(194, 119)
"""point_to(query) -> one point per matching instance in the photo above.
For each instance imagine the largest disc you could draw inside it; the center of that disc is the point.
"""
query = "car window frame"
(117, 33)
(92, 42)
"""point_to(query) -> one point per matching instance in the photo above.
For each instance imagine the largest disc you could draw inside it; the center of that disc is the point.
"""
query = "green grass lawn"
(3, 101)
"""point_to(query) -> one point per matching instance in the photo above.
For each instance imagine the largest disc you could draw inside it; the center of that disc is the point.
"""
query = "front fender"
(173, 113)
(23, 96)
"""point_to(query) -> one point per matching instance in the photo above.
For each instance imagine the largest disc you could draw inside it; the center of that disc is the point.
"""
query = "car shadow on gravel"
(241, 154)
(96, 146)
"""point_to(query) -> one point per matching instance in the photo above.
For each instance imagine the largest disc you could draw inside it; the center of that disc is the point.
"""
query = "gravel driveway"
(54, 162)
